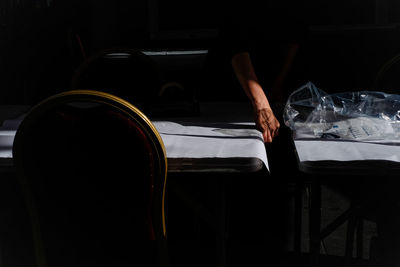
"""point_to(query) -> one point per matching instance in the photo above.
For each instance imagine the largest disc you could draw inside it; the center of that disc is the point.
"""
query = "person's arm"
(264, 117)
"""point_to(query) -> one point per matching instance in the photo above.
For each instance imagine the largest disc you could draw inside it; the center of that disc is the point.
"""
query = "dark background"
(345, 44)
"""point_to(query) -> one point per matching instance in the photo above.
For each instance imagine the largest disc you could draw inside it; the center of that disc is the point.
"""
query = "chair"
(362, 207)
(137, 77)
(124, 72)
(387, 78)
(92, 169)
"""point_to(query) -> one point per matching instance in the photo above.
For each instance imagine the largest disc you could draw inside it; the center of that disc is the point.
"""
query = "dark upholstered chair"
(124, 72)
(92, 169)
(387, 78)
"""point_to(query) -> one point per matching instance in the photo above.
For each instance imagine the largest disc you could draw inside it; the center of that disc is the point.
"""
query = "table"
(223, 139)
(320, 158)
(347, 157)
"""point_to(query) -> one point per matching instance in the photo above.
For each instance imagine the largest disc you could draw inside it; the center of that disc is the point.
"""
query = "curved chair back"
(93, 172)
(127, 73)
(387, 78)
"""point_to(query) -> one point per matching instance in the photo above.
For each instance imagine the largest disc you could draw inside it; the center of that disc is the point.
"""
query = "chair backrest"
(124, 72)
(387, 78)
(93, 171)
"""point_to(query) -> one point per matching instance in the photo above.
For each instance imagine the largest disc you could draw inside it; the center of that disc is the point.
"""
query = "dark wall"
(117, 23)
(346, 44)
(42, 46)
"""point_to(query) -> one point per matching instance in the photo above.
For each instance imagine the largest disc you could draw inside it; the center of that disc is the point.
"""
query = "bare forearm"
(265, 119)
(246, 75)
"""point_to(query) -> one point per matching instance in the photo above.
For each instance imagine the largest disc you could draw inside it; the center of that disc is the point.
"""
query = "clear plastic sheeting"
(356, 116)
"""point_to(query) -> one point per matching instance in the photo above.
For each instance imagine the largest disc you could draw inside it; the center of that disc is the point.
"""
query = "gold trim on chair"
(94, 97)
(142, 116)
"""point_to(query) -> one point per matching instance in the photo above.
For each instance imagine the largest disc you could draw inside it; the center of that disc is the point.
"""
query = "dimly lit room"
(199, 133)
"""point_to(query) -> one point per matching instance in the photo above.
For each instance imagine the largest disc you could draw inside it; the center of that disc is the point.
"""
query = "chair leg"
(351, 228)
(222, 222)
(360, 238)
(315, 222)
(298, 217)
(341, 219)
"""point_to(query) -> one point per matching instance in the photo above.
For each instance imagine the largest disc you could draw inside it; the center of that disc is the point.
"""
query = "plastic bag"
(358, 116)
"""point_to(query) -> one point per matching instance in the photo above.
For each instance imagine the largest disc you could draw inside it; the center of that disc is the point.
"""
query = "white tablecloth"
(320, 150)
(212, 140)
(224, 131)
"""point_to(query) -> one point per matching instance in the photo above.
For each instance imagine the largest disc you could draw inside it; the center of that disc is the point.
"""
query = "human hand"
(267, 123)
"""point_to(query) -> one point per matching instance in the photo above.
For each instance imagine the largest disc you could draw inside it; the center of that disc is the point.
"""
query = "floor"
(333, 205)
(190, 253)
(199, 249)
